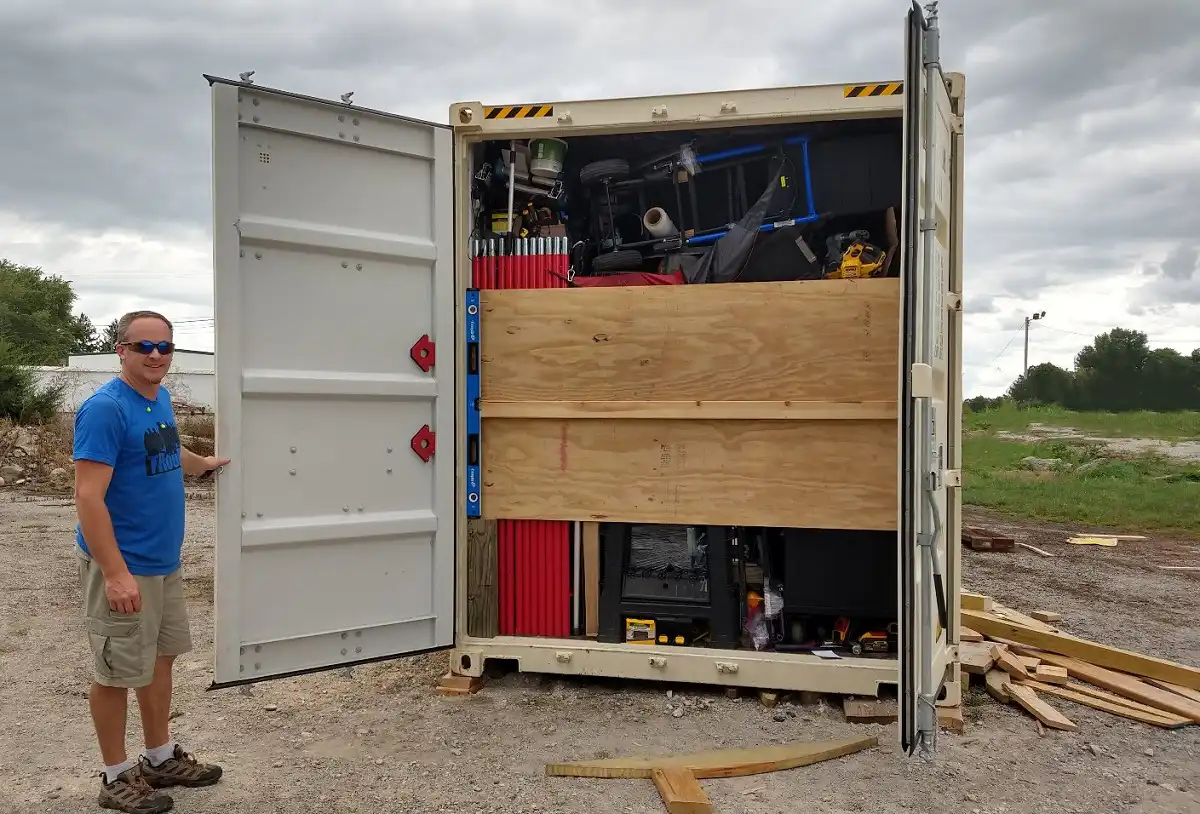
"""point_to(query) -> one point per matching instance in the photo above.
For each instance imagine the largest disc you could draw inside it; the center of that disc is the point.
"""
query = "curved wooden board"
(717, 763)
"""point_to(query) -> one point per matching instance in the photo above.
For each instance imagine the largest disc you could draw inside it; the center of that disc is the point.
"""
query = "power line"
(1010, 341)
(1093, 336)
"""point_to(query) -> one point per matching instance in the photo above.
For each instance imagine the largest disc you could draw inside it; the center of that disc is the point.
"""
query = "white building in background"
(191, 381)
(193, 361)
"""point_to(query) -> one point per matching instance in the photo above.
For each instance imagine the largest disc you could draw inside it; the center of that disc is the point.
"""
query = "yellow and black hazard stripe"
(879, 89)
(518, 112)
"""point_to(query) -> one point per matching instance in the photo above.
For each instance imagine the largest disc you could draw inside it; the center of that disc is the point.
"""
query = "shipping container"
(457, 412)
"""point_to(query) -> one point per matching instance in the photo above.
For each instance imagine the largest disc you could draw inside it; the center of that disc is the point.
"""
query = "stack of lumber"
(1025, 659)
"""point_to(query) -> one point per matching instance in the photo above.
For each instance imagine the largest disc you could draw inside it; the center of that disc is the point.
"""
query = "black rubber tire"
(610, 168)
(624, 260)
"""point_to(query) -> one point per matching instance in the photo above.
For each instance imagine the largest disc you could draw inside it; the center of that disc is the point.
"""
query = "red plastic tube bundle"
(534, 562)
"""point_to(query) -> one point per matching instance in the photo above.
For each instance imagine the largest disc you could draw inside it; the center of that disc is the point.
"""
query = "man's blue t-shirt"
(137, 437)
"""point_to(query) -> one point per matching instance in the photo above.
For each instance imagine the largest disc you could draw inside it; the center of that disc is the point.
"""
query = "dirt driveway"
(378, 739)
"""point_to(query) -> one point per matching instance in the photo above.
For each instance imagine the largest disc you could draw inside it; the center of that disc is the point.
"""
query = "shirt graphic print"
(162, 449)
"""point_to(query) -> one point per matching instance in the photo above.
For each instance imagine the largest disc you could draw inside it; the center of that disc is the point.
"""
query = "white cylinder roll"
(658, 222)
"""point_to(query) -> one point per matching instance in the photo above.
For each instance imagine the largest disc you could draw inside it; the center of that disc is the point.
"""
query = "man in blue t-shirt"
(129, 495)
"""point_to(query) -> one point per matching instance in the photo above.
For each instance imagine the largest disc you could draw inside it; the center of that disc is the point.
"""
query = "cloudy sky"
(1083, 130)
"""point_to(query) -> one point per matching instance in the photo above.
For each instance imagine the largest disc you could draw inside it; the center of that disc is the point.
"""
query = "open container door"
(334, 281)
(924, 414)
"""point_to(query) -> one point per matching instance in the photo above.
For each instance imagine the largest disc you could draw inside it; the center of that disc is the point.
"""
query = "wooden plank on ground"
(1128, 686)
(1039, 709)
(727, 473)
(718, 763)
(1050, 674)
(830, 340)
(1154, 718)
(1194, 695)
(1110, 657)
(965, 634)
(1049, 617)
(452, 684)
(483, 600)
(951, 719)
(1035, 549)
(1021, 619)
(1030, 663)
(1009, 663)
(976, 658)
(979, 602)
(870, 710)
(680, 791)
(591, 579)
(997, 683)
(1120, 700)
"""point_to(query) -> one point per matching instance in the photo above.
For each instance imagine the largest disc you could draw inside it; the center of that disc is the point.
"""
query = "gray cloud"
(1172, 283)
(1083, 169)
(980, 305)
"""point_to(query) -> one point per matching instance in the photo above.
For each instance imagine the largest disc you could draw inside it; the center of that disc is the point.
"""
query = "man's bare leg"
(154, 701)
(166, 763)
(109, 707)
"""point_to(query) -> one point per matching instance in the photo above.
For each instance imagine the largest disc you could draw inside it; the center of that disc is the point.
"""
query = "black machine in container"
(838, 573)
(669, 583)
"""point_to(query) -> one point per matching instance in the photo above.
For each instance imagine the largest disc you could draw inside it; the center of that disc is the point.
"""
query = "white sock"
(158, 754)
(111, 772)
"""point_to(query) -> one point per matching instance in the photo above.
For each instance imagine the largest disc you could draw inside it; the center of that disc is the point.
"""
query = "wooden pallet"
(981, 539)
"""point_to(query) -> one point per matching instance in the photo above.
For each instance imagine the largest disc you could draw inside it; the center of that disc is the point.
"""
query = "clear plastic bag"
(756, 622)
(773, 602)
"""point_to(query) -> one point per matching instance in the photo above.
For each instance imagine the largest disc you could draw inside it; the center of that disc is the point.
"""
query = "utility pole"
(1028, 320)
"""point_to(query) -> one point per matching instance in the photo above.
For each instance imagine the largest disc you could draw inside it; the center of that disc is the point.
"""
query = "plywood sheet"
(839, 475)
(811, 341)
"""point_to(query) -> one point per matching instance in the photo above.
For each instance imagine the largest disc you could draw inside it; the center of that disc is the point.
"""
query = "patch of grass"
(1145, 493)
(1141, 424)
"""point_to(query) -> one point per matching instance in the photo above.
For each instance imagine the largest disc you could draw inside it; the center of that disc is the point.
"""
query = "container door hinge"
(422, 352)
(954, 301)
(931, 37)
(952, 478)
(424, 443)
(921, 380)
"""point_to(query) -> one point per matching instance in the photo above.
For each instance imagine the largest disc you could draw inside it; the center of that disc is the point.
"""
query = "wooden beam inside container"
(824, 474)
(483, 601)
(809, 341)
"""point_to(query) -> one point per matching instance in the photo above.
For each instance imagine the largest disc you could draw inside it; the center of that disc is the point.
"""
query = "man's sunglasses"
(146, 346)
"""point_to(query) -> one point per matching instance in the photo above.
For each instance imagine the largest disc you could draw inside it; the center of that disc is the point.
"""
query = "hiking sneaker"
(130, 793)
(180, 769)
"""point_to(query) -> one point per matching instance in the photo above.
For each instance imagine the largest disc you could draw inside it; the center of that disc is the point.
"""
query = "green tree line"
(39, 326)
(1116, 372)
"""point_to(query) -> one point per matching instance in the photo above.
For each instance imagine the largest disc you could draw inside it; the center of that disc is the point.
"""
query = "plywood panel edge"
(747, 410)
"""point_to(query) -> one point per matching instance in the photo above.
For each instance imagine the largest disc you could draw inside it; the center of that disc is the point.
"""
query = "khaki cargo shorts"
(125, 645)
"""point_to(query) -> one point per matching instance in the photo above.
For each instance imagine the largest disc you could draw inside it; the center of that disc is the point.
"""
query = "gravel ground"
(379, 739)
